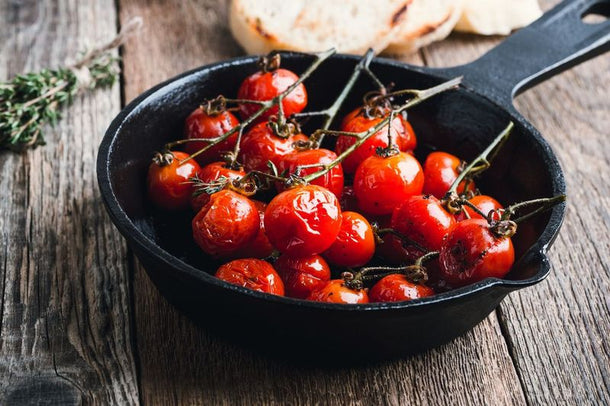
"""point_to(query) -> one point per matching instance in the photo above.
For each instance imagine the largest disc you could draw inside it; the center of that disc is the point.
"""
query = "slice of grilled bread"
(351, 26)
(497, 17)
(426, 21)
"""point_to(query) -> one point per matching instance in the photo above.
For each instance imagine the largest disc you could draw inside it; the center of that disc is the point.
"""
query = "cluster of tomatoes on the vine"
(367, 201)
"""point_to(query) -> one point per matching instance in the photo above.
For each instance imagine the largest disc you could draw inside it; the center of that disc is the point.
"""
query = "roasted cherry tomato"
(201, 125)
(381, 184)
(422, 219)
(260, 145)
(210, 173)
(355, 244)
(226, 224)
(301, 275)
(333, 180)
(402, 136)
(440, 171)
(169, 186)
(472, 252)
(335, 291)
(253, 274)
(482, 202)
(396, 288)
(263, 86)
(304, 220)
(259, 247)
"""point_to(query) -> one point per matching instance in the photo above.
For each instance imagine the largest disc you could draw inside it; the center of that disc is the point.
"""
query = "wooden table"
(80, 322)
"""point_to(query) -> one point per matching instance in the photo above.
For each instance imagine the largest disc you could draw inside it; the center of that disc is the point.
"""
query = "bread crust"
(497, 17)
(247, 23)
(427, 22)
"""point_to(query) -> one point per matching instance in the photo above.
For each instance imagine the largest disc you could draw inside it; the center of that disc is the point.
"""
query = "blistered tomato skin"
(263, 86)
(253, 274)
(396, 288)
(440, 171)
(226, 224)
(259, 247)
(423, 219)
(482, 202)
(260, 145)
(333, 180)
(335, 291)
(169, 186)
(211, 173)
(355, 244)
(472, 253)
(201, 125)
(381, 184)
(304, 220)
(302, 275)
(402, 135)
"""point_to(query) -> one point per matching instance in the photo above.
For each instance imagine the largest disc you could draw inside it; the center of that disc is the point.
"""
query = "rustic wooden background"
(80, 322)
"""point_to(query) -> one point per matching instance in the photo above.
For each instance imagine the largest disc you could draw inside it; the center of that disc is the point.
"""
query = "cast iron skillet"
(461, 122)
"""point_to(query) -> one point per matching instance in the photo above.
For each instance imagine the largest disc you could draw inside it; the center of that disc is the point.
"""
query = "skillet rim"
(536, 253)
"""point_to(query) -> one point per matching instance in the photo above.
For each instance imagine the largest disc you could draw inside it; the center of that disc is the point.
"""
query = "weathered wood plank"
(181, 364)
(571, 360)
(557, 331)
(65, 334)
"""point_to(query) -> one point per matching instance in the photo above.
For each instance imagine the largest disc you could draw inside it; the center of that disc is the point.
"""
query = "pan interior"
(459, 122)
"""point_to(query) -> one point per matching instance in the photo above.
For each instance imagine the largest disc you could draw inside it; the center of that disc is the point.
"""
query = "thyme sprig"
(30, 101)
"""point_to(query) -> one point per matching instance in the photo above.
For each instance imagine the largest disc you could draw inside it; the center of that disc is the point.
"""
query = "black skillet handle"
(555, 42)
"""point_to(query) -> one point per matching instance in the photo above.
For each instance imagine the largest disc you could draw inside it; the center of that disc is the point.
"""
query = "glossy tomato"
(381, 184)
(225, 224)
(332, 180)
(482, 202)
(472, 252)
(355, 244)
(210, 173)
(168, 184)
(201, 125)
(397, 288)
(262, 86)
(403, 138)
(259, 247)
(253, 274)
(260, 145)
(302, 275)
(304, 220)
(440, 171)
(335, 291)
(422, 219)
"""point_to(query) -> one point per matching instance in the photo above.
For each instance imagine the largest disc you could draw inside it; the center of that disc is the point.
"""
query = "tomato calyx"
(453, 202)
(283, 128)
(376, 103)
(163, 158)
(388, 151)
(269, 62)
(500, 220)
(503, 228)
(215, 106)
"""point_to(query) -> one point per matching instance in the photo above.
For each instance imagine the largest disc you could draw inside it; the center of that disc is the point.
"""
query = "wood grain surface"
(82, 323)
(65, 334)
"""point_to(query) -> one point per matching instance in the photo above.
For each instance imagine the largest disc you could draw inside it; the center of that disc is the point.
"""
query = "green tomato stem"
(481, 162)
